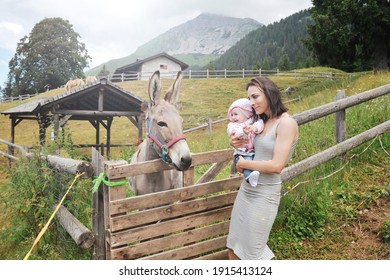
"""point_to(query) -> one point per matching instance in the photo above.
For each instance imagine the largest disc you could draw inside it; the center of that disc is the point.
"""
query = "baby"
(241, 123)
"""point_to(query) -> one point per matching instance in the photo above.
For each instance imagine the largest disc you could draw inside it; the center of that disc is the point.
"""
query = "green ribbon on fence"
(102, 179)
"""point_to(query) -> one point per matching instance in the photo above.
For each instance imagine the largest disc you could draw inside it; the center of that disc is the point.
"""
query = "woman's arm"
(286, 134)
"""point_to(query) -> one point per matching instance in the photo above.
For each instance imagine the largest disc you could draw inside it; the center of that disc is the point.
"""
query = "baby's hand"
(240, 134)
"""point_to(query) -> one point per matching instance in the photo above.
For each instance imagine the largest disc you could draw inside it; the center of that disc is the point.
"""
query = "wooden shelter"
(97, 103)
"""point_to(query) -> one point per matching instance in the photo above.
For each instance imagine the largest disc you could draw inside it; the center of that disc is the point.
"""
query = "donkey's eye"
(162, 124)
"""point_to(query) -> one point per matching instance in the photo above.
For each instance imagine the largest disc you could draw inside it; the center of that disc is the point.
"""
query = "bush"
(35, 189)
(384, 231)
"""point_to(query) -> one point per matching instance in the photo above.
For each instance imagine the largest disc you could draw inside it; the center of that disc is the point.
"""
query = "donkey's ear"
(144, 106)
(154, 87)
(173, 92)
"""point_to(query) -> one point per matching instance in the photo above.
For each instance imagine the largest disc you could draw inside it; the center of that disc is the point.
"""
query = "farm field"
(341, 216)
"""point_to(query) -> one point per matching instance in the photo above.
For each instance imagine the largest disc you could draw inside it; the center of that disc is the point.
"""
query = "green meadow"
(339, 210)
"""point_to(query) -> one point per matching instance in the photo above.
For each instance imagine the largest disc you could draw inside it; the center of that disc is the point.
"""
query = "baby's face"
(238, 116)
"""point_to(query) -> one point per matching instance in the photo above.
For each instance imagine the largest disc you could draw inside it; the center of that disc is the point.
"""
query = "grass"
(338, 217)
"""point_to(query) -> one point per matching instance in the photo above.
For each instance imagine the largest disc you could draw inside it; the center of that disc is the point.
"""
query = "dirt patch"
(365, 241)
(356, 239)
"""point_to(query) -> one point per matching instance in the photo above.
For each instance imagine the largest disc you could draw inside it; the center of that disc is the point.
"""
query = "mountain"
(195, 42)
(278, 45)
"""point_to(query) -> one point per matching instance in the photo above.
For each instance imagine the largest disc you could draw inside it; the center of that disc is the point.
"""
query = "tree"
(351, 35)
(270, 42)
(265, 64)
(48, 57)
(103, 72)
(284, 62)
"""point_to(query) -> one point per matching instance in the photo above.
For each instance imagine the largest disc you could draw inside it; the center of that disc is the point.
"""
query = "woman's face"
(258, 100)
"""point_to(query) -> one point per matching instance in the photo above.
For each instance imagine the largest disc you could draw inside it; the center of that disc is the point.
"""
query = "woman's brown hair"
(273, 95)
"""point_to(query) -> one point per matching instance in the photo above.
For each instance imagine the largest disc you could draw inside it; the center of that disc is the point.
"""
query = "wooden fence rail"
(16, 98)
(224, 73)
(192, 222)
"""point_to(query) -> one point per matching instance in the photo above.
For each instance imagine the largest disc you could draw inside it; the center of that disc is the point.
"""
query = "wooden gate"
(186, 223)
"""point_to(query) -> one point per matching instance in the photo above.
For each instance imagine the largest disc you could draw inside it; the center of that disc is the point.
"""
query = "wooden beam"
(340, 120)
(8, 156)
(20, 148)
(56, 120)
(98, 228)
(71, 166)
(13, 124)
(134, 121)
(83, 237)
(101, 99)
(108, 143)
(97, 113)
(158, 165)
(212, 172)
(324, 156)
(333, 107)
(64, 119)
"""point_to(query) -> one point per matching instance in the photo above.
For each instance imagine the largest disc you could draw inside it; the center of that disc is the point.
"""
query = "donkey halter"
(164, 147)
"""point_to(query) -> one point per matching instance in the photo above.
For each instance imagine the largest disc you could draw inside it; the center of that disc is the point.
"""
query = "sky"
(116, 28)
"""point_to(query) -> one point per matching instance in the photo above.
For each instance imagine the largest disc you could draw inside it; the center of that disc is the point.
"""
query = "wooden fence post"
(98, 227)
(210, 127)
(111, 194)
(10, 151)
(340, 125)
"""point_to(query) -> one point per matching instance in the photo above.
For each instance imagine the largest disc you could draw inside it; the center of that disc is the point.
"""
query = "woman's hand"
(238, 164)
(238, 141)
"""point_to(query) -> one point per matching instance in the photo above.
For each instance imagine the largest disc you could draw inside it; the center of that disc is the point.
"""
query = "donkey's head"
(164, 124)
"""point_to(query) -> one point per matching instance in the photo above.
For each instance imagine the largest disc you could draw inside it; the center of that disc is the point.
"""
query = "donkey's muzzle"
(185, 163)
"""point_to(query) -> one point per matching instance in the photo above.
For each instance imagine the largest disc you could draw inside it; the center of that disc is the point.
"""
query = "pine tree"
(103, 72)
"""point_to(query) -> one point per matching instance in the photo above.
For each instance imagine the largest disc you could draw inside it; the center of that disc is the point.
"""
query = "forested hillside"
(278, 45)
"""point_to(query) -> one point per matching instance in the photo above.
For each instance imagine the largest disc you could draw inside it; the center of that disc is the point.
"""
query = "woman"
(255, 209)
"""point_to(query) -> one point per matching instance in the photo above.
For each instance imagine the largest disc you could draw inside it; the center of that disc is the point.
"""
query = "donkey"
(164, 140)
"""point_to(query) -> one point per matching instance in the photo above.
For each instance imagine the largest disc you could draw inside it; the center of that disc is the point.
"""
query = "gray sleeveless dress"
(255, 208)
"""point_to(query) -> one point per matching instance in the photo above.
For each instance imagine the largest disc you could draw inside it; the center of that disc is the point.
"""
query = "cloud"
(9, 34)
(112, 29)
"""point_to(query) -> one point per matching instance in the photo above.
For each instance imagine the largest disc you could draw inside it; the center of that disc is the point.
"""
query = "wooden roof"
(100, 99)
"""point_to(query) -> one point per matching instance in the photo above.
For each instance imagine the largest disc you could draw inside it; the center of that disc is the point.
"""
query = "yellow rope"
(51, 218)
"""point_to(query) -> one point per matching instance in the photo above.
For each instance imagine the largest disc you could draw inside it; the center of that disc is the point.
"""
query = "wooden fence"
(208, 74)
(242, 73)
(16, 98)
(192, 222)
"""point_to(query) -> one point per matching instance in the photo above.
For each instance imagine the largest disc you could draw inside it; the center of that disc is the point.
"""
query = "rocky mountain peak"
(205, 34)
